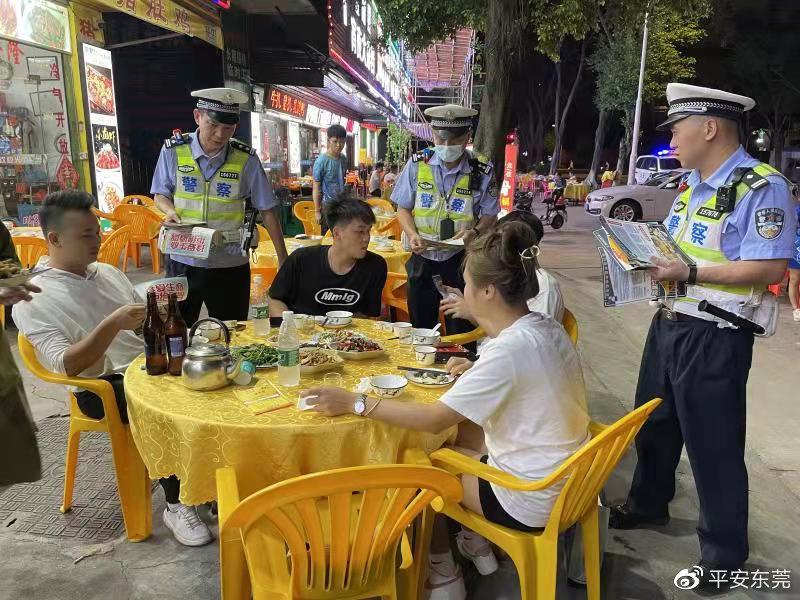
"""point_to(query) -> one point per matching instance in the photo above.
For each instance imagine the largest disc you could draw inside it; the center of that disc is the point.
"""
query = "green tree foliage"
(397, 141)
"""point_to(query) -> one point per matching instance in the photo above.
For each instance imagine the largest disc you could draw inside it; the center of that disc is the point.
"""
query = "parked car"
(650, 164)
(650, 201)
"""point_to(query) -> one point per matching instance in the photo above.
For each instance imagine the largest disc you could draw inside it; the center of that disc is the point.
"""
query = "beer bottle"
(155, 351)
(175, 336)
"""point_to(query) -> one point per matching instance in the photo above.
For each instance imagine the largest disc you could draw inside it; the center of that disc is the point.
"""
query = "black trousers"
(700, 371)
(225, 292)
(424, 298)
(92, 406)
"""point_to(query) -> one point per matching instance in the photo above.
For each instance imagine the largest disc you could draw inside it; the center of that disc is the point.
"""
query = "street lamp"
(638, 114)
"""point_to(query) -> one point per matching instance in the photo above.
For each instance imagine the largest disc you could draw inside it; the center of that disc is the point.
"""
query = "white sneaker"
(478, 550)
(796, 315)
(445, 582)
(186, 525)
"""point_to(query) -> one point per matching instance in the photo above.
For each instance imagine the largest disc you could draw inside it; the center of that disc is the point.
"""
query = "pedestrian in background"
(329, 173)
(375, 180)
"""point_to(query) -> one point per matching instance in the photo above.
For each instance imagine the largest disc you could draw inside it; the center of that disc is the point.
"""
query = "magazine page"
(621, 286)
(633, 238)
(623, 260)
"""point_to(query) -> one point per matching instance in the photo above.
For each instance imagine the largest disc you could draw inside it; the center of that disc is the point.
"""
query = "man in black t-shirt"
(344, 276)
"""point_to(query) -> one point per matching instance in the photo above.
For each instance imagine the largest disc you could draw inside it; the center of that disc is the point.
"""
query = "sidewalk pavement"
(639, 564)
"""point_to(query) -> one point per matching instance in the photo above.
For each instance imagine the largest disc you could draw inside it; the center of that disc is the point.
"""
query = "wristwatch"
(692, 279)
(360, 405)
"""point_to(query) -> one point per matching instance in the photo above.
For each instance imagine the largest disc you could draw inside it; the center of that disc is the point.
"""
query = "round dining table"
(395, 258)
(191, 434)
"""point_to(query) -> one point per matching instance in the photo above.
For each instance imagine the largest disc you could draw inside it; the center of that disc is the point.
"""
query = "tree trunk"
(500, 56)
(599, 140)
(624, 147)
(561, 114)
(557, 132)
(778, 140)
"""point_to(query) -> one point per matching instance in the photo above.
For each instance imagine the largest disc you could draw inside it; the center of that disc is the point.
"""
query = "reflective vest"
(216, 201)
(699, 235)
(430, 206)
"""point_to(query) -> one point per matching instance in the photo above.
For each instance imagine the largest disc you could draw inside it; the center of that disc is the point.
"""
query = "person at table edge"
(82, 325)
(342, 276)
(733, 221)
(207, 175)
(447, 194)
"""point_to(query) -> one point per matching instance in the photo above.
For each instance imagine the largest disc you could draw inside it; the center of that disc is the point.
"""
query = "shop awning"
(337, 98)
(169, 15)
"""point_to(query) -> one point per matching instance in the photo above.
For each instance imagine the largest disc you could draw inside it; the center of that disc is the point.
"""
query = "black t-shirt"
(307, 285)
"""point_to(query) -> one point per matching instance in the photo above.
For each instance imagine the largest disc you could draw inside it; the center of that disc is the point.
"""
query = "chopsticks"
(421, 370)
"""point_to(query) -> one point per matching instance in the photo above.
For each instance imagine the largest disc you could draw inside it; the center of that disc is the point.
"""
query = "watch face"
(359, 407)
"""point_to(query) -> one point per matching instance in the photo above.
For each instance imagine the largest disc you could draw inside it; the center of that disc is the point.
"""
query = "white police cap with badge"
(222, 104)
(688, 100)
(450, 120)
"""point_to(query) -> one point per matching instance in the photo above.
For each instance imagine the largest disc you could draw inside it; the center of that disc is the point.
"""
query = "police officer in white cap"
(447, 194)
(732, 221)
(208, 176)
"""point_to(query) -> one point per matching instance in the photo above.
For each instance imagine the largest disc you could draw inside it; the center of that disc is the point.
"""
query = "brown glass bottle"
(175, 336)
(155, 349)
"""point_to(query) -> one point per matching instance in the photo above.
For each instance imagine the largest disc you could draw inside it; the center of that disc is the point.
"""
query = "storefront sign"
(99, 87)
(34, 122)
(88, 22)
(169, 15)
(293, 130)
(509, 178)
(37, 22)
(236, 57)
(280, 101)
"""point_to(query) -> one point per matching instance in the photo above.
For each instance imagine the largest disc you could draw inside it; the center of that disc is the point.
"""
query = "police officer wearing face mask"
(732, 220)
(447, 194)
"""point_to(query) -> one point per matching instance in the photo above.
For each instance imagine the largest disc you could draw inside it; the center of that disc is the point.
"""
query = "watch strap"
(692, 279)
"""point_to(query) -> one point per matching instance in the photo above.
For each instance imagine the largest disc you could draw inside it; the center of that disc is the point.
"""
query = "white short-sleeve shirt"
(527, 393)
(549, 300)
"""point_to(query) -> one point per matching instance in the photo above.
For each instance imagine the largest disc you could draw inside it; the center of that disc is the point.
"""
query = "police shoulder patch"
(176, 141)
(241, 146)
(769, 222)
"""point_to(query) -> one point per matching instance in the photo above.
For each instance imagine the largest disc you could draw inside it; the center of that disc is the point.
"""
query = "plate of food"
(318, 360)
(101, 91)
(261, 355)
(430, 378)
(111, 195)
(107, 159)
(350, 345)
(12, 275)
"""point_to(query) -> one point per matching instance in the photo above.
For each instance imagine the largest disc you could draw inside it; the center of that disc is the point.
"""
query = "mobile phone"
(437, 281)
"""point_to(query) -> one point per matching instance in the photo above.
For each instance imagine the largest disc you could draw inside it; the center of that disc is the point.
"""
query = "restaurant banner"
(283, 102)
(37, 22)
(169, 15)
(509, 178)
(99, 86)
(89, 23)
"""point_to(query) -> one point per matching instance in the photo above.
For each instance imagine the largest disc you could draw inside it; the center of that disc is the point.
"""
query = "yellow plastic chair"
(395, 294)
(570, 324)
(145, 225)
(380, 203)
(133, 482)
(29, 250)
(586, 472)
(393, 229)
(568, 321)
(342, 529)
(113, 247)
(305, 213)
(139, 199)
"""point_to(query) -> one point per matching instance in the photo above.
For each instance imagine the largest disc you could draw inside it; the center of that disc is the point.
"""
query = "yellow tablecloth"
(191, 434)
(27, 232)
(576, 191)
(395, 259)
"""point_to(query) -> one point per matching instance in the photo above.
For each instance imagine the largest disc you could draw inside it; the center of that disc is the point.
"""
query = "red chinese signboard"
(280, 101)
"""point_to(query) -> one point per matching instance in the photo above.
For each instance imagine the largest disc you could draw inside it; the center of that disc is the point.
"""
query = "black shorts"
(494, 511)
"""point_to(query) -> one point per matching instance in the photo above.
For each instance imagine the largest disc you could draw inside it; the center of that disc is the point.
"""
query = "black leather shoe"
(622, 517)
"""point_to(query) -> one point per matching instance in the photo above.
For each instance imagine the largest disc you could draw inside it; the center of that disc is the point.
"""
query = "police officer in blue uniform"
(209, 176)
(733, 222)
(446, 194)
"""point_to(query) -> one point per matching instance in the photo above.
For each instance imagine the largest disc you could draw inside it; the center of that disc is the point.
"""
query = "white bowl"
(385, 325)
(425, 337)
(388, 386)
(210, 331)
(425, 355)
(339, 317)
(401, 328)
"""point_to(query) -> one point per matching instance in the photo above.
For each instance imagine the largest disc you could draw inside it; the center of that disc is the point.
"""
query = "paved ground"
(639, 565)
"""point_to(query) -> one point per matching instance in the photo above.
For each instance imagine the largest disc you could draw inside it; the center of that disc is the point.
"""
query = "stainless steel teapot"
(209, 366)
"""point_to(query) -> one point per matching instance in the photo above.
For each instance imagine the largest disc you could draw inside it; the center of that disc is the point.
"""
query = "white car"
(649, 165)
(651, 201)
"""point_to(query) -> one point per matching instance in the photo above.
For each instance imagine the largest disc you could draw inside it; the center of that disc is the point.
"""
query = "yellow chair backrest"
(138, 199)
(144, 223)
(381, 203)
(304, 212)
(29, 250)
(570, 324)
(114, 245)
(342, 529)
(393, 228)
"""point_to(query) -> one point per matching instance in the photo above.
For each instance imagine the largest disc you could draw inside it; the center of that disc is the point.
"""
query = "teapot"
(209, 366)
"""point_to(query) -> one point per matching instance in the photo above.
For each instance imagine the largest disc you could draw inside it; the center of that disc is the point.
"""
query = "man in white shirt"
(375, 181)
(83, 323)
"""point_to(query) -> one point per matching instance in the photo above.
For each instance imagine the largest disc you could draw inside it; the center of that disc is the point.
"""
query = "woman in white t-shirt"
(525, 395)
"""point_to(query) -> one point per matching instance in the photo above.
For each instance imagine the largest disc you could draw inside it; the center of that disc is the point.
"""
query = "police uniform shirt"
(742, 236)
(485, 202)
(254, 183)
